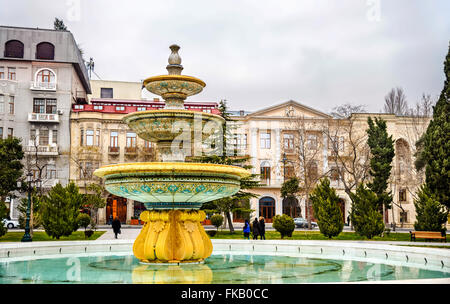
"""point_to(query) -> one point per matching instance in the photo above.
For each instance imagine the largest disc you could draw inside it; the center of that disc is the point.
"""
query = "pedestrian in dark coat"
(116, 226)
(255, 228)
(262, 228)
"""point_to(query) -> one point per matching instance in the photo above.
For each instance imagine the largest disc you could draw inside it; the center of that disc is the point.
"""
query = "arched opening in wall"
(45, 50)
(45, 78)
(14, 49)
(267, 208)
(291, 207)
(116, 207)
(403, 157)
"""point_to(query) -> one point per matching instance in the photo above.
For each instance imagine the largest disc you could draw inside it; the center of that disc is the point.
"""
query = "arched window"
(14, 49)
(267, 208)
(45, 79)
(45, 50)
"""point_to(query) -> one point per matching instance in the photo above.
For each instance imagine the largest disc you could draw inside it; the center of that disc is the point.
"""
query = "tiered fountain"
(173, 190)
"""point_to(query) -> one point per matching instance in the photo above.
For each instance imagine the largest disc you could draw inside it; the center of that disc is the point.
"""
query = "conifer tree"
(59, 25)
(326, 207)
(3, 214)
(382, 152)
(430, 214)
(435, 144)
(60, 209)
(366, 218)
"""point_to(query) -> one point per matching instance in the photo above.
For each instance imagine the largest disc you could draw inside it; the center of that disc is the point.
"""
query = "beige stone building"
(293, 139)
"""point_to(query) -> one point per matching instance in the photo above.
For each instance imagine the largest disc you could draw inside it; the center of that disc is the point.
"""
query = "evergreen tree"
(364, 214)
(59, 25)
(3, 215)
(382, 152)
(11, 167)
(284, 224)
(431, 215)
(60, 209)
(326, 207)
(435, 145)
(35, 221)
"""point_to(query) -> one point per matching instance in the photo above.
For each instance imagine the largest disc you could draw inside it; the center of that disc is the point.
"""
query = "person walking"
(255, 228)
(246, 230)
(262, 228)
(116, 226)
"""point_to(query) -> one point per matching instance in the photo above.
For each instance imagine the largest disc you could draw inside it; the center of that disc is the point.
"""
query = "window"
(288, 140)
(114, 139)
(147, 144)
(290, 173)
(33, 137)
(402, 195)
(10, 132)
(106, 92)
(312, 171)
(12, 73)
(403, 216)
(336, 143)
(51, 106)
(1, 132)
(43, 137)
(55, 137)
(41, 105)
(120, 108)
(334, 174)
(51, 172)
(141, 108)
(98, 108)
(312, 142)
(46, 79)
(81, 137)
(45, 50)
(2, 72)
(265, 172)
(2, 103)
(131, 139)
(11, 104)
(79, 107)
(264, 140)
(14, 49)
(89, 137)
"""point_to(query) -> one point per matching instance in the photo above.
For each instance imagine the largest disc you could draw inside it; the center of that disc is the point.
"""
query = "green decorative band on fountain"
(173, 190)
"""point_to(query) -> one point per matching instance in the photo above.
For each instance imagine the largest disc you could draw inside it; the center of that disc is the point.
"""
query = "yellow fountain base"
(172, 236)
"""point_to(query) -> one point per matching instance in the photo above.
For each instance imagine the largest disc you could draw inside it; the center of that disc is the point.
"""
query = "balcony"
(43, 117)
(43, 86)
(42, 150)
(114, 150)
(130, 151)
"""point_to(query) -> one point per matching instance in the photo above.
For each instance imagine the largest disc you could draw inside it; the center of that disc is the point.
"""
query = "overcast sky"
(259, 53)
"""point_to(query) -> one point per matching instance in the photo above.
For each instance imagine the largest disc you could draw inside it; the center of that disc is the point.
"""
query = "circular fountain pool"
(232, 262)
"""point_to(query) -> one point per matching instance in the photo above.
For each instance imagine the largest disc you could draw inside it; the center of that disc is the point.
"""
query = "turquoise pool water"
(219, 269)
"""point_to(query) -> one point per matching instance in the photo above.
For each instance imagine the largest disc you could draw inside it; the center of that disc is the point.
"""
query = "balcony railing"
(43, 86)
(42, 150)
(113, 150)
(130, 150)
(43, 117)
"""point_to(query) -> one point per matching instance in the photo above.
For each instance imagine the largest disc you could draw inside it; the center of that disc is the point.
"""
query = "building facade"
(291, 139)
(42, 73)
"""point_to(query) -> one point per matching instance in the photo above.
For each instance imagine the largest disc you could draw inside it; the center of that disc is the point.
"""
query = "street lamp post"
(27, 236)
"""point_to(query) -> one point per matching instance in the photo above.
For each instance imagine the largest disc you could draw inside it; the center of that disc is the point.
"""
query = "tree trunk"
(230, 222)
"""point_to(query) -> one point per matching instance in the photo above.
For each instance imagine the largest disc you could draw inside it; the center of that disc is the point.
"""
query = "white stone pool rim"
(420, 257)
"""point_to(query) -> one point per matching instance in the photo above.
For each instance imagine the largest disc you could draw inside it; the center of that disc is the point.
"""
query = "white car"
(11, 223)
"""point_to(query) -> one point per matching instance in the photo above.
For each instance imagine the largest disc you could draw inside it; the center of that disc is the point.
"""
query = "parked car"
(10, 223)
(301, 222)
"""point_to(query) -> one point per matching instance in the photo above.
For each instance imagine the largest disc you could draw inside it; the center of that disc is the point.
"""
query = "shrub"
(431, 215)
(327, 210)
(3, 214)
(284, 224)
(217, 220)
(211, 232)
(83, 220)
(366, 218)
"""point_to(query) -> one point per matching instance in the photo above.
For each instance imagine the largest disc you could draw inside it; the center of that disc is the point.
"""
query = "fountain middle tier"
(172, 185)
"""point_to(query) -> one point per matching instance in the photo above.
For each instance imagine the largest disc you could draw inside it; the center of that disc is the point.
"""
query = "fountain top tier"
(174, 88)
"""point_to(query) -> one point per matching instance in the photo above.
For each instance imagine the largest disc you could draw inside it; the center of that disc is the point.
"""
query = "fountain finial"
(174, 67)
